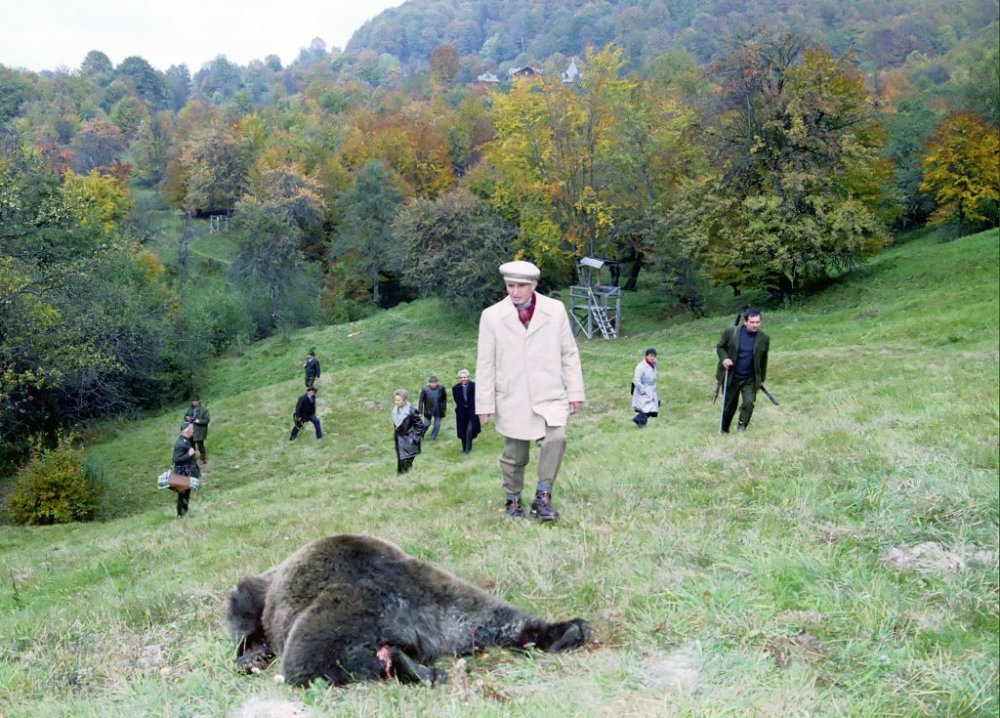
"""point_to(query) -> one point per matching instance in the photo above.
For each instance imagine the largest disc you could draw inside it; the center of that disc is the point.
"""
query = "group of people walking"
(529, 381)
(410, 424)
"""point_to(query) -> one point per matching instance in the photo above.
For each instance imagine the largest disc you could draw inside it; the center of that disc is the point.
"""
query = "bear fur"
(354, 608)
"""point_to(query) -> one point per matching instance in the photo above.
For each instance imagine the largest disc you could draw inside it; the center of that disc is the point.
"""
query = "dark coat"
(312, 368)
(305, 408)
(729, 346)
(408, 435)
(465, 410)
(425, 404)
(185, 463)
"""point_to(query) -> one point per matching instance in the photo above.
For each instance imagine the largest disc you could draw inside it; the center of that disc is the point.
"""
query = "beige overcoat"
(526, 378)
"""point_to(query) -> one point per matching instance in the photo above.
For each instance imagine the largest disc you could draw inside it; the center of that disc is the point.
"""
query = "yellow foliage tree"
(962, 170)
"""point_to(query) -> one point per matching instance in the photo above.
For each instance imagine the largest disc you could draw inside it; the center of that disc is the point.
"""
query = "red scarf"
(526, 313)
(652, 362)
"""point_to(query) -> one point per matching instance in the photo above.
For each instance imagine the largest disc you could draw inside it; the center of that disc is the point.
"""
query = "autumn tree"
(962, 171)
(97, 144)
(795, 186)
(579, 165)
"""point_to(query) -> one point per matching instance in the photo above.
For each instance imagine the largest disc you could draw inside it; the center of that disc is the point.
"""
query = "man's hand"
(190, 452)
(727, 363)
(484, 418)
(574, 406)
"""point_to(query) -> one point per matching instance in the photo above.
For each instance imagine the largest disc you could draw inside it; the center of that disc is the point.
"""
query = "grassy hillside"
(839, 559)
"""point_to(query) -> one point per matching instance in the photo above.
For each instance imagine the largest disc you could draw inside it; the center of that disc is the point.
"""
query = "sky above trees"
(59, 33)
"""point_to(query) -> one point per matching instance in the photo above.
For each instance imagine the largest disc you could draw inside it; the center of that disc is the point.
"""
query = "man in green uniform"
(742, 367)
(198, 417)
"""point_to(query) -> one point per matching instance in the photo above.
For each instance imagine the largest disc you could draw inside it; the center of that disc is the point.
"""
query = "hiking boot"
(203, 458)
(541, 507)
(740, 427)
(513, 509)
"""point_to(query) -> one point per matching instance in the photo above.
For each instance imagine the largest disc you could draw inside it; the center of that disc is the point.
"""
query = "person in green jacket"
(198, 417)
(742, 367)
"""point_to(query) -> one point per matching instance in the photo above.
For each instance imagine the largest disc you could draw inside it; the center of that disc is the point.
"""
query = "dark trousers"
(315, 423)
(736, 390)
(435, 423)
(200, 446)
(183, 499)
(404, 465)
(470, 426)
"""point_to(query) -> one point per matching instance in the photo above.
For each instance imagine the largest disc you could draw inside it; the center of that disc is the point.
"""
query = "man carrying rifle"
(742, 367)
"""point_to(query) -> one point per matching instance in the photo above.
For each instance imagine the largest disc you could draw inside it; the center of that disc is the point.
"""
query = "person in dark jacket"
(432, 404)
(198, 416)
(468, 425)
(409, 430)
(185, 463)
(742, 367)
(312, 368)
(305, 410)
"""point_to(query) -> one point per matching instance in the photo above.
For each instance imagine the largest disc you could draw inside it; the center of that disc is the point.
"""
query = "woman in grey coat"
(409, 429)
(645, 401)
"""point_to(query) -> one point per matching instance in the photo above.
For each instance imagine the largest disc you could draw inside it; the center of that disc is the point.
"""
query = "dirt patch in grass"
(270, 708)
(924, 558)
(678, 670)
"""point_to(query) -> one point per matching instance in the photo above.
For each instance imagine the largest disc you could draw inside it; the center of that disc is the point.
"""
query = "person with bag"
(185, 462)
(409, 430)
(645, 401)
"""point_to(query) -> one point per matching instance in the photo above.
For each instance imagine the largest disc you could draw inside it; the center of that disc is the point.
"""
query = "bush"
(54, 487)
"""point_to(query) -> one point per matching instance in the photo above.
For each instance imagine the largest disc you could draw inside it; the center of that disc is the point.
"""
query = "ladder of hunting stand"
(600, 316)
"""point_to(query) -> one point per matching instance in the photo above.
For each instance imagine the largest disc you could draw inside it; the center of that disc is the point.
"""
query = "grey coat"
(644, 396)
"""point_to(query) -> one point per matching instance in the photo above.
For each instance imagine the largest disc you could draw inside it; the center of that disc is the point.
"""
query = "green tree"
(453, 246)
(364, 242)
(281, 290)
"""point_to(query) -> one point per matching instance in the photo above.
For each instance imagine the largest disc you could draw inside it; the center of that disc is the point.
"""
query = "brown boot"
(203, 458)
(513, 509)
(541, 507)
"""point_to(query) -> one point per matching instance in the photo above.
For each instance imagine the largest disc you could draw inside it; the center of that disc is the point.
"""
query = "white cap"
(520, 271)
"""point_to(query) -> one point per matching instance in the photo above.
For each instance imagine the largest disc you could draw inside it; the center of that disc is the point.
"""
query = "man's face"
(433, 384)
(397, 400)
(464, 378)
(520, 292)
(188, 431)
(753, 323)
(312, 395)
(196, 403)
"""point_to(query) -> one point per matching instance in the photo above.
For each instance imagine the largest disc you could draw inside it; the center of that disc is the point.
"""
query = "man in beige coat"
(528, 374)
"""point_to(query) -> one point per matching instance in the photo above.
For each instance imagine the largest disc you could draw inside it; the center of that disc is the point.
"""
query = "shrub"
(54, 487)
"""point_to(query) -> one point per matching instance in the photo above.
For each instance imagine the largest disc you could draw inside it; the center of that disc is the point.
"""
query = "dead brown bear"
(355, 608)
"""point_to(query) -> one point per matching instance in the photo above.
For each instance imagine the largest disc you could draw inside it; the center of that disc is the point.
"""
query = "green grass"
(752, 574)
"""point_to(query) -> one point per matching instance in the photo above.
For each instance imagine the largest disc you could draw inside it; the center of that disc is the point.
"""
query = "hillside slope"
(840, 558)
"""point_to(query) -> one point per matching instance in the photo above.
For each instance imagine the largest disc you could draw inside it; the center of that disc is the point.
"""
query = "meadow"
(840, 558)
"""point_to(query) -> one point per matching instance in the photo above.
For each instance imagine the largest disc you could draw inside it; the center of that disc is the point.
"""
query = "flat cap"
(520, 271)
